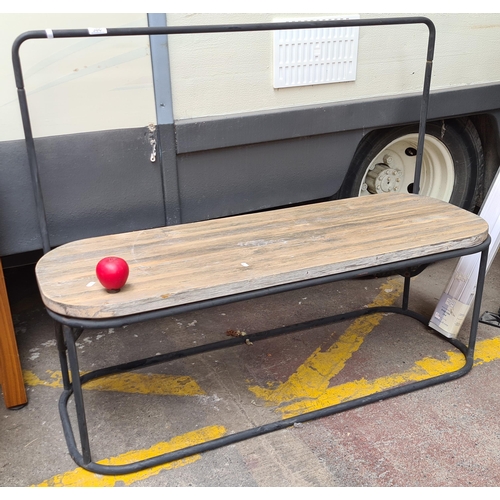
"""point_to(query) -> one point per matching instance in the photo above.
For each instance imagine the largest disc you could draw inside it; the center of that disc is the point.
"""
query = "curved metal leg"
(70, 335)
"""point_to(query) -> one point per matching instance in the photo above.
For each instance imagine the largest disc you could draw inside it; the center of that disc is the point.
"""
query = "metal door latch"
(152, 158)
(152, 141)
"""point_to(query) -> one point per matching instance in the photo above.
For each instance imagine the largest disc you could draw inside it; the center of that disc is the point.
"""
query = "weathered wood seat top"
(202, 260)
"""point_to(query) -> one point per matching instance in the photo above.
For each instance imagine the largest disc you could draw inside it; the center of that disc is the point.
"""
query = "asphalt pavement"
(447, 435)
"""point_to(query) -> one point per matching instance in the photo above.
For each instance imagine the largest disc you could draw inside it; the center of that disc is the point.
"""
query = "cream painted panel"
(76, 85)
(219, 74)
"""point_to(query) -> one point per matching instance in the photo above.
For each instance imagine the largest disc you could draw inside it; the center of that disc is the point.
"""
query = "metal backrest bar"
(183, 30)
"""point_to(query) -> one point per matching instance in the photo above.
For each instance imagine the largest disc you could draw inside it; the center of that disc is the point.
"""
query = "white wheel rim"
(393, 169)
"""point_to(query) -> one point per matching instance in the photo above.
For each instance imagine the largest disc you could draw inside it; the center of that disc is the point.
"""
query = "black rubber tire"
(458, 135)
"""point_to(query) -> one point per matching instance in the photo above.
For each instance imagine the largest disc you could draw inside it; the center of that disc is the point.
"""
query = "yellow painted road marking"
(135, 383)
(423, 369)
(308, 389)
(312, 378)
(486, 351)
(81, 477)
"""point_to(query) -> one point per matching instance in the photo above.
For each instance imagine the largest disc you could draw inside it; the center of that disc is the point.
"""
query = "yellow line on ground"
(80, 477)
(312, 378)
(422, 369)
(486, 351)
(135, 383)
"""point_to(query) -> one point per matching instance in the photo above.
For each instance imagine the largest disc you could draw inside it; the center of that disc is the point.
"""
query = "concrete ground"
(448, 435)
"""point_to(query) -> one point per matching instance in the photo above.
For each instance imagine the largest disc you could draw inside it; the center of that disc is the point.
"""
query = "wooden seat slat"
(191, 262)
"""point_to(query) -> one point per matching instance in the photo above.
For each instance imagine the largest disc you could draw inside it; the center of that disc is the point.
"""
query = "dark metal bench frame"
(69, 329)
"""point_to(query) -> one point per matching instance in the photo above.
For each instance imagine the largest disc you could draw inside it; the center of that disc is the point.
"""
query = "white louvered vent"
(315, 56)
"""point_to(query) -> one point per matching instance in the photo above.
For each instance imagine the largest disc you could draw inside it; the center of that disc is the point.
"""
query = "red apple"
(112, 272)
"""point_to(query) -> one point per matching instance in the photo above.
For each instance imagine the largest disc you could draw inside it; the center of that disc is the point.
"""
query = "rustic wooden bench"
(203, 264)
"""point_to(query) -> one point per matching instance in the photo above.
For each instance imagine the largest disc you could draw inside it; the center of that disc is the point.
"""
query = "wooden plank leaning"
(11, 376)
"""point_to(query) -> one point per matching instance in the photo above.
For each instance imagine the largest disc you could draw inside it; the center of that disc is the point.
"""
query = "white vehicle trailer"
(139, 132)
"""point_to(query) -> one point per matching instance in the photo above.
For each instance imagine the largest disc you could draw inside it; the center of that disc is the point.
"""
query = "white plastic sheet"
(454, 304)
